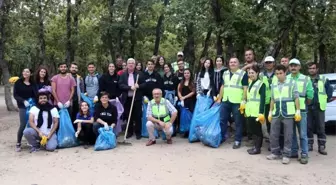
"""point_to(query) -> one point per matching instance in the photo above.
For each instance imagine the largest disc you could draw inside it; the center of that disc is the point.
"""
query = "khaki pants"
(167, 128)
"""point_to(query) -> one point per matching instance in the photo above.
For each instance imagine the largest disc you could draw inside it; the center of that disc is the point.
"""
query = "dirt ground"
(179, 163)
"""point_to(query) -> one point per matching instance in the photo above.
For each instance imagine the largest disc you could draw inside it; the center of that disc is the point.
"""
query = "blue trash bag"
(89, 101)
(106, 140)
(66, 134)
(203, 103)
(117, 129)
(185, 119)
(31, 104)
(170, 96)
(210, 133)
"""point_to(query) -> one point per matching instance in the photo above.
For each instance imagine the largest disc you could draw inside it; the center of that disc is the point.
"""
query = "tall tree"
(68, 34)
(75, 29)
(159, 30)
(42, 45)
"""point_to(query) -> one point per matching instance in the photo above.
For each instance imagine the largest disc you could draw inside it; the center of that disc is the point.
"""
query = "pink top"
(63, 87)
(130, 83)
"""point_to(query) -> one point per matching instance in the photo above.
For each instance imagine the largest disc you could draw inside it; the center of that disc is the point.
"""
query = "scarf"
(45, 107)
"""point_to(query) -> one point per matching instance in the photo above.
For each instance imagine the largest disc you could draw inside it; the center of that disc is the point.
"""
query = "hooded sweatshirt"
(170, 83)
(152, 80)
(109, 84)
(218, 79)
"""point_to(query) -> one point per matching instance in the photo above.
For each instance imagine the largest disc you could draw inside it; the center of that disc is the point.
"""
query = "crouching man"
(160, 115)
(43, 122)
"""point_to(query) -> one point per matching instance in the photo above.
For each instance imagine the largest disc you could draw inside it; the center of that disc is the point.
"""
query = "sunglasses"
(268, 62)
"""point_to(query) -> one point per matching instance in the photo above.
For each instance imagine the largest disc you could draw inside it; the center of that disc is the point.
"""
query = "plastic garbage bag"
(210, 133)
(185, 119)
(144, 131)
(89, 101)
(203, 103)
(66, 134)
(106, 140)
(170, 96)
(120, 109)
(31, 104)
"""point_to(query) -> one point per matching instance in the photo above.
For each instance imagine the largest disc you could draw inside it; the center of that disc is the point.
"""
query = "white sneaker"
(285, 160)
(272, 157)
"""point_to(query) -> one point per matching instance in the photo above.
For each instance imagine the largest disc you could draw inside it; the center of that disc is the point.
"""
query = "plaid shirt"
(170, 107)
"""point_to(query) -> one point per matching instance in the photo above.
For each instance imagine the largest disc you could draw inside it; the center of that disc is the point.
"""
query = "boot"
(322, 150)
(310, 147)
(257, 146)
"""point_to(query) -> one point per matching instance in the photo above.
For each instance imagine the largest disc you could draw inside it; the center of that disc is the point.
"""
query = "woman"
(106, 114)
(254, 111)
(84, 121)
(199, 67)
(139, 67)
(170, 83)
(205, 79)
(218, 75)
(24, 90)
(42, 78)
(159, 66)
(124, 67)
(186, 91)
(108, 82)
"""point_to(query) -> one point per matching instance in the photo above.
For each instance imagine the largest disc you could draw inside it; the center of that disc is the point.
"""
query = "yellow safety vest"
(233, 88)
(253, 99)
(268, 82)
(322, 94)
(301, 83)
(160, 111)
(284, 102)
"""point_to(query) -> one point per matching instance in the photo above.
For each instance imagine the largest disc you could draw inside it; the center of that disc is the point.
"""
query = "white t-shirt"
(205, 81)
(44, 128)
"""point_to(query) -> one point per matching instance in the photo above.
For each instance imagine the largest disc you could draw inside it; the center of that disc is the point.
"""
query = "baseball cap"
(294, 61)
(180, 53)
(269, 59)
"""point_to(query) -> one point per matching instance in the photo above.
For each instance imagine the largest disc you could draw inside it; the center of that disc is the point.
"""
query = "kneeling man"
(160, 115)
(43, 122)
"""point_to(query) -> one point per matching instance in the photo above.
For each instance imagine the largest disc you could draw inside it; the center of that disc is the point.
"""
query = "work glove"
(44, 140)
(198, 95)
(95, 99)
(175, 99)
(215, 98)
(112, 126)
(26, 103)
(242, 107)
(182, 103)
(67, 104)
(297, 116)
(208, 93)
(85, 94)
(145, 99)
(261, 118)
(106, 127)
(77, 121)
(270, 116)
(60, 105)
(77, 133)
(13, 79)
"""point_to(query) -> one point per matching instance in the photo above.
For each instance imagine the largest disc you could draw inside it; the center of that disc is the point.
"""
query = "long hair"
(31, 75)
(191, 84)
(210, 70)
(170, 67)
(38, 78)
(157, 64)
(141, 64)
(81, 113)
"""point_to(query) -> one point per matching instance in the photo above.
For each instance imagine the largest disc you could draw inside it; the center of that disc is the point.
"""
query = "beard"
(63, 72)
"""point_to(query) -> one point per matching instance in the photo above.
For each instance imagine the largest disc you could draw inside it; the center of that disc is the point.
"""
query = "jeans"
(23, 124)
(315, 120)
(226, 109)
(34, 139)
(302, 129)
(275, 133)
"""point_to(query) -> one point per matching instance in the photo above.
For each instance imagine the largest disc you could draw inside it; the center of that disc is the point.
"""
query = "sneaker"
(86, 146)
(254, 151)
(285, 160)
(272, 157)
(18, 147)
(322, 150)
(138, 137)
(169, 141)
(294, 156)
(310, 147)
(34, 149)
(150, 142)
(236, 145)
(304, 159)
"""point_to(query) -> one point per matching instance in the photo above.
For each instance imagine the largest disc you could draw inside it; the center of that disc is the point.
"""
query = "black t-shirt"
(179, 76)
(170, 83)
(109, 114)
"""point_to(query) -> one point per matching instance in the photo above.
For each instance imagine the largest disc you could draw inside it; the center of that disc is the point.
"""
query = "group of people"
(250, 94)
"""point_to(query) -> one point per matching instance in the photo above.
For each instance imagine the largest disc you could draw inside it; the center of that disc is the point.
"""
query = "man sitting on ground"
(158, 116)
(43, 122)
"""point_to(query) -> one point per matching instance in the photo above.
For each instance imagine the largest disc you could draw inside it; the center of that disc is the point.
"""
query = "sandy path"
(180, 163)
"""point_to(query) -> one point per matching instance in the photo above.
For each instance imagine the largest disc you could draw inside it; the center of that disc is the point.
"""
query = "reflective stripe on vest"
(301, 83)
(322, 94)
(284, 103)
(233, 88)
(253, 100)
(268, 82)
(160, 111)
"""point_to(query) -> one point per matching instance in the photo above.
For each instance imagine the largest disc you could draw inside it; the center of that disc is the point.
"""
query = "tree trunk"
(75, 31)
(42, 44)
(122, 29)
(132, 31)
(321, 34)
(189, 48)
(159, 30)
(294, 42)
(110, 32)
(207, 43)
(68, 33)
(277, 46)
(230, 49)
(216, 9)
(4, 11)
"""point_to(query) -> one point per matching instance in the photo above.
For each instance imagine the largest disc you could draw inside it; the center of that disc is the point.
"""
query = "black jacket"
(124, 87)
(170, 83)
(110, 85)
(109, 114)
(23, 92)
(218, 80)
(152, 81)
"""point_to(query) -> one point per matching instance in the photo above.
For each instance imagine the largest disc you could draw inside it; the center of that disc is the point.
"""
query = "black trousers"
(86, 134)
(268, 124)
(135, 122)
(254, 127)
(74, 110)
(315, 121)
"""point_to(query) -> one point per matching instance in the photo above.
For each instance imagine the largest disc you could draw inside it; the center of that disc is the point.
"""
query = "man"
(160, 115)
(249, 59)
(316, 110)
(175, 65)
(43, 122)
(180, 72)
(63, 87)
(119, 62)
(306, 92)
(284, 100)
(153, 80)
(91, 82)
(128, 84)
(285, 61)
(79, 88)
(233, 96)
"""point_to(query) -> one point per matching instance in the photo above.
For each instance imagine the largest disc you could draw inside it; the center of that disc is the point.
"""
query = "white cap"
(180, 53)
(294, 61)
(269, 59)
